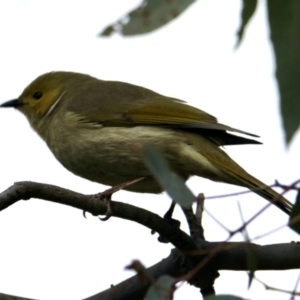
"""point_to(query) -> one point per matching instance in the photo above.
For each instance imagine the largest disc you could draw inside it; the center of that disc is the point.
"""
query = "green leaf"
(284, 20)
(149, 16)
(223, 297)
(169, 181)
(162, 289)
(251, 264)
(294, 222)
(248, 10)
(251, 259)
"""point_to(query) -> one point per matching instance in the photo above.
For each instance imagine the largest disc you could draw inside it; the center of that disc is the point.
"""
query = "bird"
(92, 126)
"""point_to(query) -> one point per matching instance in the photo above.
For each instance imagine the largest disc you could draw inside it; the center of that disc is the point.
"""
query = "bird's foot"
(168, 218)
(106, 196)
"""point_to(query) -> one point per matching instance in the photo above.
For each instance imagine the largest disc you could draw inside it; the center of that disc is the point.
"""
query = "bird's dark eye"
(37, 95)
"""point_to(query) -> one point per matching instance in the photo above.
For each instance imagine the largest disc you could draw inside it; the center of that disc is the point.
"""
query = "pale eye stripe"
(54, 105)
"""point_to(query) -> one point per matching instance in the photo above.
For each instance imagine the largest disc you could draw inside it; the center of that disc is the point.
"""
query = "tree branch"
(227, 256)
(27, 189)
(232, 257)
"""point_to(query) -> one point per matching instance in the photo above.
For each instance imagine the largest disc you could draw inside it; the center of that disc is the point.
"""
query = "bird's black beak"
(12, 103)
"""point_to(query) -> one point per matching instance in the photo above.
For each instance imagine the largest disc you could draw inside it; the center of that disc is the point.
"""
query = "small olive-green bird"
(91, 126)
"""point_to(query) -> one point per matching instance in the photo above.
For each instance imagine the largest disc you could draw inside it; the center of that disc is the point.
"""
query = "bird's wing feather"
(120, 104)
(172, 114)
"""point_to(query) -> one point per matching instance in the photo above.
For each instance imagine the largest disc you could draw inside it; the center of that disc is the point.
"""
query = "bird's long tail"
(264, 191)
(214, 160)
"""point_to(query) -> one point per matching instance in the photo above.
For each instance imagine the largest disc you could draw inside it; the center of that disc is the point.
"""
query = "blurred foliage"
(223, 297)
(147, 17)
(161, 289)
(168, 180)
(294, 222)
(284, 23)
(248, 10)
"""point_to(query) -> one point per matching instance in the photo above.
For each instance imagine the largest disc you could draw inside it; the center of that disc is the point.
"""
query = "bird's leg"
(106, 195)
(170, 220)
(169, 213)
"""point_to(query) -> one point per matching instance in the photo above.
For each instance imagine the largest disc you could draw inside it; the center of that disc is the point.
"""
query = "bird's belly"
(110, 155)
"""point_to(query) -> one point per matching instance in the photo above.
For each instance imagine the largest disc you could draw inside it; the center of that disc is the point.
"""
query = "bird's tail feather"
(264, 191)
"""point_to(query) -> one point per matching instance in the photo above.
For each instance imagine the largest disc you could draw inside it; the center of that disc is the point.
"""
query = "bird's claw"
(107, 200)
(106, 196)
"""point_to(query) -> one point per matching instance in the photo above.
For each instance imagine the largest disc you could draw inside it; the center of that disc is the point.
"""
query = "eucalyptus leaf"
(161, 289)
(148, 16)
(248, 10)
(251, 264)
(170, 181)
(223, 297)
(294, 222)
(284, 20)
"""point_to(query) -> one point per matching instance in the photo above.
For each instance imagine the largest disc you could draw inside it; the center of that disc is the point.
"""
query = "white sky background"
(50, 251)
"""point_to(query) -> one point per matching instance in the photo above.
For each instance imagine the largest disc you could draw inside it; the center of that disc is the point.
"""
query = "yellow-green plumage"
(92, 128)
